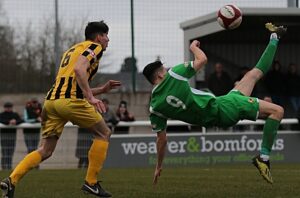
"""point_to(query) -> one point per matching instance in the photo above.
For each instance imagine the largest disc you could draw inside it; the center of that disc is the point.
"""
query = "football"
(229, 17)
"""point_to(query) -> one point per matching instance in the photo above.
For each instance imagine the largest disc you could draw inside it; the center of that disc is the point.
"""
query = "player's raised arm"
(161, 143)
(200, 57)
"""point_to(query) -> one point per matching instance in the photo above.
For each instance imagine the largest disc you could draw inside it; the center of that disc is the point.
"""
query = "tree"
(7, 54)
(27, 58)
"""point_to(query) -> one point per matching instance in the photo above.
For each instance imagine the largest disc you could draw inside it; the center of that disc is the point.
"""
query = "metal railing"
(146, 123)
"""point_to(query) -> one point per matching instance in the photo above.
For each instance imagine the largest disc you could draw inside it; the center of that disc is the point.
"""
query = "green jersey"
(174, 98)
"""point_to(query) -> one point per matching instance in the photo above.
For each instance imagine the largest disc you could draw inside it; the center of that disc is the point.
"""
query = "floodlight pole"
(56, 40)
(293, 3)
(133, 71)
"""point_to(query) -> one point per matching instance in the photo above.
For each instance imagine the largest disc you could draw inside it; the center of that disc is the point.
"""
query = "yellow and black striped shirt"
(65, 85)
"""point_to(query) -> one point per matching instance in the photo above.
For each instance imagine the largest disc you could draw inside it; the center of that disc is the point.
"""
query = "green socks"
(267, 57)
(270, 132)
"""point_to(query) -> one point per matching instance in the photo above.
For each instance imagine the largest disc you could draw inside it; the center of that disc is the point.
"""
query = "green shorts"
(234, 107)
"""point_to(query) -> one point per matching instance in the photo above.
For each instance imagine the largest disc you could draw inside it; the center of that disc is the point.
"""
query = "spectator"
(219, 82)
(109, 116)
(123, 115)
(243, 71)
(293, 86)
(276, 83)
(84, 142)
(8, 135)
(32, 114)
(268, 99)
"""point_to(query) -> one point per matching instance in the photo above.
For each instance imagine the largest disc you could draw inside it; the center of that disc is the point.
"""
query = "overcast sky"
(157, 22)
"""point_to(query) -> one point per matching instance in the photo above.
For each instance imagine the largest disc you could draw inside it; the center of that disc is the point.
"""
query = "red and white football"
(229, 17)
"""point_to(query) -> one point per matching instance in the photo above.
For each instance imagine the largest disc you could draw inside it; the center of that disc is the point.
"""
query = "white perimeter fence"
(72, 148)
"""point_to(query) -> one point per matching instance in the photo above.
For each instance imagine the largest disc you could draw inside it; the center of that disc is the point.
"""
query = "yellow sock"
(30, 161)
(97, 156)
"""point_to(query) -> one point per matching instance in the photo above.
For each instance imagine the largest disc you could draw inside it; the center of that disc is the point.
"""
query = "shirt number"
(66, 60)
(175, 102)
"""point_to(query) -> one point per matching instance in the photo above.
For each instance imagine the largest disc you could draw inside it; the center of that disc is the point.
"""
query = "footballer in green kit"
(172, 97)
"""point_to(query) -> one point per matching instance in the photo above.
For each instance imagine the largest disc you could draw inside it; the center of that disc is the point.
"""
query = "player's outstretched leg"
(279, 30)
(8, 184)
(266, 59)
(275, 112)
(264, 64)
(7, 188)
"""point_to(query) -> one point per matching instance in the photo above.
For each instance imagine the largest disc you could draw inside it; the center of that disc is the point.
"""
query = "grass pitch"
(227, 181)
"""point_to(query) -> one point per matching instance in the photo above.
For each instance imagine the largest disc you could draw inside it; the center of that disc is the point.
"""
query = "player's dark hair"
(150, 70)
(94, 28)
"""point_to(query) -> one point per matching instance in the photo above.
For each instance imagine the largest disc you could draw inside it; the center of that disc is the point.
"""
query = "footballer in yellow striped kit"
(72, 99)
